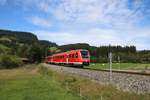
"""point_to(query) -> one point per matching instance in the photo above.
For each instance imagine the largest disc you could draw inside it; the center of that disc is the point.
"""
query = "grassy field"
(39, 83)
(119, 66)
(28, 84)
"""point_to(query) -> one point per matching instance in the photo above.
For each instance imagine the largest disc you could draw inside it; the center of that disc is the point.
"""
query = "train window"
(76, 55)
(72, 55)
(84, 53)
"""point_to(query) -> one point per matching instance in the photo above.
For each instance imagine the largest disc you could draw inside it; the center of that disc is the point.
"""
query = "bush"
(9, 61)
(35, 53)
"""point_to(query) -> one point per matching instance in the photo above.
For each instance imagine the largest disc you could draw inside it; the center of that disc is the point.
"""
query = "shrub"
(35, 53)
(9, 61)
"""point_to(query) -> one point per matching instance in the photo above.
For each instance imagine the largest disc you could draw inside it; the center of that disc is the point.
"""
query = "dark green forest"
(26, 45)
(124, 54)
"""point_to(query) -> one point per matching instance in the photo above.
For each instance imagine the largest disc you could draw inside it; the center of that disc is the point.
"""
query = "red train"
(78, 57)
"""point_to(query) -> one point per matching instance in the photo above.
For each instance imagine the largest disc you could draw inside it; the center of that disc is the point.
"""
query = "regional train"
(79, 57)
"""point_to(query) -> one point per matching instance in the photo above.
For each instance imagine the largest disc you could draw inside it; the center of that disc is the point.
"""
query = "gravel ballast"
(127, 82)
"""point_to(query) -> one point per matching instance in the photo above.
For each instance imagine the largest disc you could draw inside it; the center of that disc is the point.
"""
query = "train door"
(67, 58)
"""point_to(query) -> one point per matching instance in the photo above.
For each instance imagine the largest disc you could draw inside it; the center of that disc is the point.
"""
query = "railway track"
(132, 81)
(134, 72)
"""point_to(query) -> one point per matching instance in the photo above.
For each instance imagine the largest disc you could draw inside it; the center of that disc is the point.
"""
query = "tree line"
(120, 54)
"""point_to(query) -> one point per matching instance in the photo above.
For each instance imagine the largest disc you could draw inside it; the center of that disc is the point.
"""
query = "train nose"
(86, 63)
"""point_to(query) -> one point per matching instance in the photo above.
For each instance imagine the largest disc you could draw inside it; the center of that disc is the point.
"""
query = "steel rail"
(121, 71)
(133, 72)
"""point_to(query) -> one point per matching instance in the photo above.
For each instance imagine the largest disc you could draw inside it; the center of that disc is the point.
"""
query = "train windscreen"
(84, 54)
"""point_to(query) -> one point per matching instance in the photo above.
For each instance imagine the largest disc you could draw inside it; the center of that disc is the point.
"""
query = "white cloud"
(119, 18)
(114, 12)
(97, 37)
(40, 22)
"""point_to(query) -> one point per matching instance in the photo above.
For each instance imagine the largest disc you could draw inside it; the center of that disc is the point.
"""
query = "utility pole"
(119, 61)
(110, 63)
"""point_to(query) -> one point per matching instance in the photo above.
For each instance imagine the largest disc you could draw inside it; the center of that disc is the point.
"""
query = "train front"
(85, 57)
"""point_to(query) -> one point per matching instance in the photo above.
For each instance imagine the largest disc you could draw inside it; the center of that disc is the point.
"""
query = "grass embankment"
(120, 66)
(39, 83)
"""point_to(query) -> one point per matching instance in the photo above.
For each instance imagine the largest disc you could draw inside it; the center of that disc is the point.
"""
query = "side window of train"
(76, 55)
(72, 55)
(69, 55)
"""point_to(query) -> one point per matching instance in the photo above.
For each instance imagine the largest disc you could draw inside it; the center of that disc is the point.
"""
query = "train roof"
(68, 51)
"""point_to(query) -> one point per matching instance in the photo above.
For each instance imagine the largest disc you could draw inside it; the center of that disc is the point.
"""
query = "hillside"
(22, 37)
(23, 44)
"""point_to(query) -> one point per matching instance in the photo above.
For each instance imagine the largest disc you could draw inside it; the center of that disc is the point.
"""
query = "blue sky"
(97, 22)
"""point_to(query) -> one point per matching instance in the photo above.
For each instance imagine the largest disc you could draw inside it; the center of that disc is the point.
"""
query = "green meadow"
(35, 82)
(120, 66)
